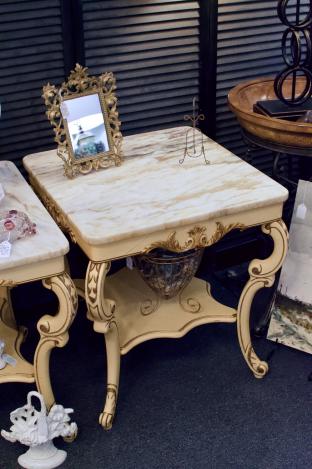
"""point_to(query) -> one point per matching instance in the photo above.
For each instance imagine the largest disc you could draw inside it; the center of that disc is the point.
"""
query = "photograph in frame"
(85, 125)
(291, 320)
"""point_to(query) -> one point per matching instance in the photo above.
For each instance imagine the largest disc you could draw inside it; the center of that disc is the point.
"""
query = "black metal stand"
(297, 53)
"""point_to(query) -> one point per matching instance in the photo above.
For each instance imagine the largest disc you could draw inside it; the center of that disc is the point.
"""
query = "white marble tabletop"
(151, 191)
(49, 241)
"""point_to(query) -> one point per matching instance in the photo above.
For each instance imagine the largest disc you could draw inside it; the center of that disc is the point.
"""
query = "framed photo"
(83, 112)
(291, 320)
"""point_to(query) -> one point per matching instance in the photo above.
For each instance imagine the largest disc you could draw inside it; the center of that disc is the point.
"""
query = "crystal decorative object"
(15, 225)
(168, 273)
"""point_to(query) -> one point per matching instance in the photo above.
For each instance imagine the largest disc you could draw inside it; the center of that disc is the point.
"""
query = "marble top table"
(153, 201)
(47, 248)
(151, 192)
(39, 256)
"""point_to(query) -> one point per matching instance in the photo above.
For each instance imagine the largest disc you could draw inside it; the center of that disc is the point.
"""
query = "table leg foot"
(6, 310)
(107, 416)
(259, 367)
(54, 331)
(262, 274)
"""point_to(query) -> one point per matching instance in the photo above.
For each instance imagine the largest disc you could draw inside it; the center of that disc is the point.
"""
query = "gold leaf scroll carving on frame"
(83, 113)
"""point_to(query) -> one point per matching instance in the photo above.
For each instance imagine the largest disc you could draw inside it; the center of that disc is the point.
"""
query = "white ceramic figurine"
(37, 429)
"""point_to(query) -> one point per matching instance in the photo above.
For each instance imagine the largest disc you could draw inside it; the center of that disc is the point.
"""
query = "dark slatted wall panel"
(249, 46)
(152, 47)
(31, 54)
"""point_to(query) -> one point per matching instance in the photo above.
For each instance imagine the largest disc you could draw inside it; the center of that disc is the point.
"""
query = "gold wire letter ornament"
(191, 145)
(83, 113)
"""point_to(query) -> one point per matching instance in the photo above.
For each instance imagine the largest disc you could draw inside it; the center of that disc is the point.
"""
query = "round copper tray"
(241, 100)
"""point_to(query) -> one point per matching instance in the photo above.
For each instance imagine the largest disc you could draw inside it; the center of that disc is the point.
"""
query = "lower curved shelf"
(141, 315)
(23, 371)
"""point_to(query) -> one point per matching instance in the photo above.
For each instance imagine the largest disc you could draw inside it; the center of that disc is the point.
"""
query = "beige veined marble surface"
(151, 191)
(49, 242)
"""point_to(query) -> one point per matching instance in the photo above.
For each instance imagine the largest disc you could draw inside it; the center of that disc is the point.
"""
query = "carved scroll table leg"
(54, 331)
(101, 312)
(262, 274)
(6, 311)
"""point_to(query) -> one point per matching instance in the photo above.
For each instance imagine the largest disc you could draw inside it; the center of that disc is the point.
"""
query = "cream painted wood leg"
(262, 274)
(6, 311)
(54, 331)
(113, 369)
(101, 312)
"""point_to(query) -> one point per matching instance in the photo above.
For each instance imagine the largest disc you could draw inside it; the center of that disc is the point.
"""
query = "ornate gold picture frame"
(83, 112)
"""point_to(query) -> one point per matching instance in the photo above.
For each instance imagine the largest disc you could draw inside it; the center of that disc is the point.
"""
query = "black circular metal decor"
(297, 52)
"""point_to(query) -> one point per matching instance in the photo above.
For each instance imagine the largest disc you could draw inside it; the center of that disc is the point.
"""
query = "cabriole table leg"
(113, 369)
(101, 312)
(262, 274)
(6, 310)
(54, 331)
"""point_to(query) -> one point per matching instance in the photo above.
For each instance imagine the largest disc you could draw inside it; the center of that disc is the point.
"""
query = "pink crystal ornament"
(15, 225)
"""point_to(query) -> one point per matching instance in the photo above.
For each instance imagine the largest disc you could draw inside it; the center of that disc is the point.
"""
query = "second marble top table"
(36, 257)
(152, 201)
